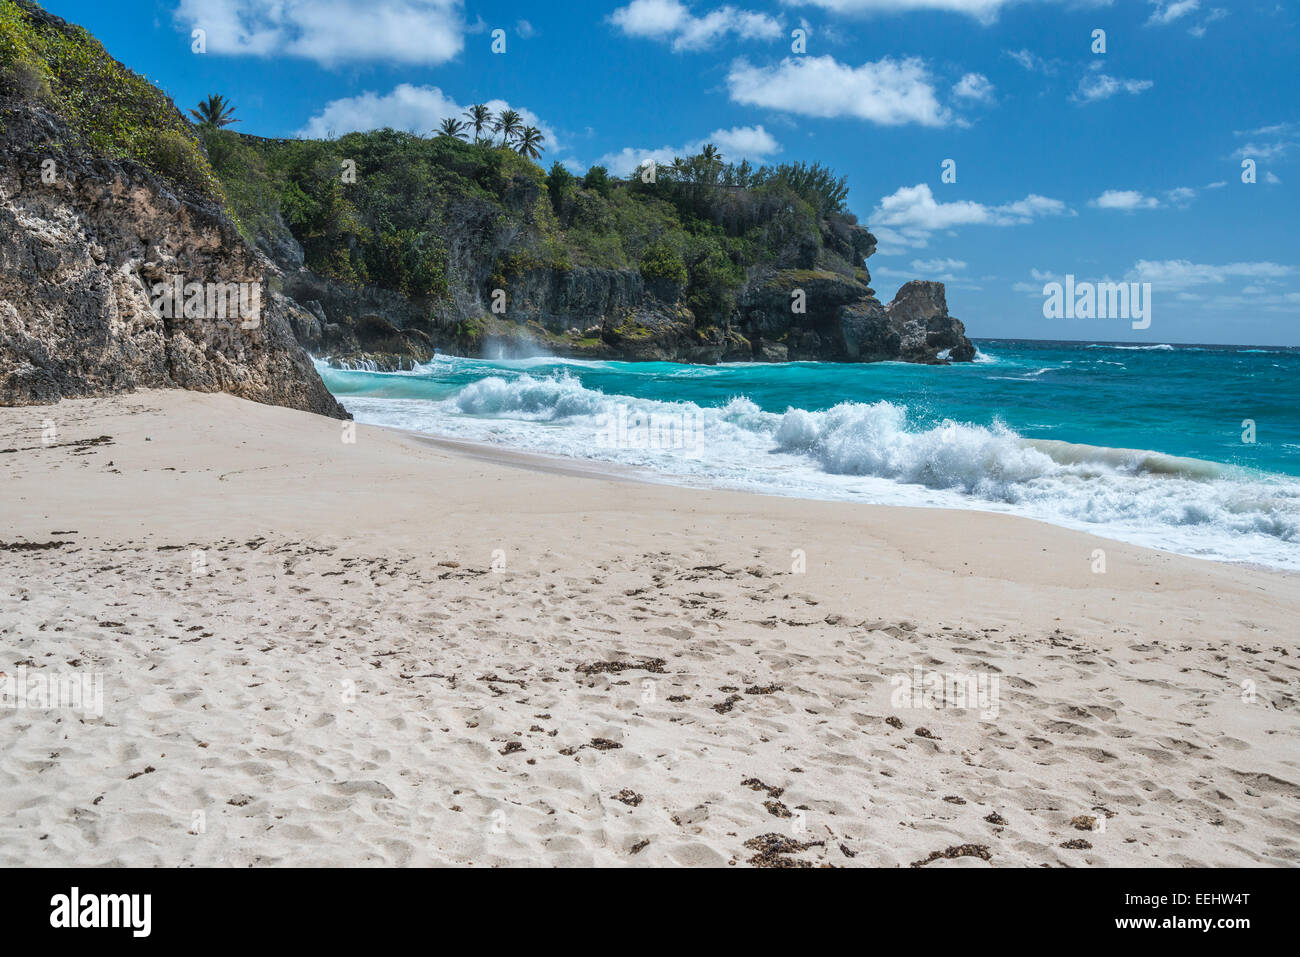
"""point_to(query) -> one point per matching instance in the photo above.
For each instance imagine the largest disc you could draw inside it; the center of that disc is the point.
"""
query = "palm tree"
(480, 117)
(530, 142)
(710, 164)
(452, 127)
(508, 124)
(214, 111)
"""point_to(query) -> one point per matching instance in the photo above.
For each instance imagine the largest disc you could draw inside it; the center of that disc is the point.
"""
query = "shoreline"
(397, 652)
(895, 434)
(557, 464)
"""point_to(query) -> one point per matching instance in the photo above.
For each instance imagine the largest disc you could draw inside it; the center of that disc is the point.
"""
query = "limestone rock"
(79, 260)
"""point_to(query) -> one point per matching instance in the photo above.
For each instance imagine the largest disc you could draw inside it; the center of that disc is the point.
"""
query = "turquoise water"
(1140, 443)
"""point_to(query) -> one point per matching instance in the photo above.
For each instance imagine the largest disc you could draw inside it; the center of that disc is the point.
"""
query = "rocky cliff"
(810, 301)
(381, 248)
(89, 243)
(782, 315)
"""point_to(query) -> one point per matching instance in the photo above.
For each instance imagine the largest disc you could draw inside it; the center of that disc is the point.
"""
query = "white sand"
(349, 669)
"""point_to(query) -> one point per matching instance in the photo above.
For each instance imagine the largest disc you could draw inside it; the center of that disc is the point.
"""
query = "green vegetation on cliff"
(422, 215)
(117, 113)
(442, 222)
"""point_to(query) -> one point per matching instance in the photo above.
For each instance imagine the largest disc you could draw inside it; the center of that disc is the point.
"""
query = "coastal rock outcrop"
(919, 313)
(79, 258)
(781, 315)
(87, 242)
(830, 317)
(708, 264)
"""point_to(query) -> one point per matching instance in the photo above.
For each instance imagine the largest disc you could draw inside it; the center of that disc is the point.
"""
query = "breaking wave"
(877, 452)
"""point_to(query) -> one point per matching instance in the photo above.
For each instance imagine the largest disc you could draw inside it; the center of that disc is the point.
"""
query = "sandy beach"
(395, 651)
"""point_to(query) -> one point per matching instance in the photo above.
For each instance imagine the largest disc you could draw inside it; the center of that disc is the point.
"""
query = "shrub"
(662, 261)
(27, 81)
(560, 185)
(176, 157)
(597, 180)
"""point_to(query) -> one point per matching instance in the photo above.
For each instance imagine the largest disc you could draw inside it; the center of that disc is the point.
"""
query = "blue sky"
(1122, 166)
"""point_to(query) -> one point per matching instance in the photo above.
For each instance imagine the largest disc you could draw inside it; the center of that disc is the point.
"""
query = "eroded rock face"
(920, 314)
(843, 321)
(79, 258)
(615, 314)
(604, 313)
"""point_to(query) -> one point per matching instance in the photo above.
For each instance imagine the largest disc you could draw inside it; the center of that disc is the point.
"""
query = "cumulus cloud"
(974, 86)
(888, 92)
(1124, 199)
(1098, 85)
(911, 214)
(739, 142)
(330, 32)
(673, 21)
(418, 109)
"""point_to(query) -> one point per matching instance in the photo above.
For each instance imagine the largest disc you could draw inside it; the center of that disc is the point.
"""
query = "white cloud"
(938, 265)
(1181, 195)
(651, 18)
(985, 11)
(974, 86)
(888, 92)
(525, 29)
(330, 31)
(1032, 61)
(1096, 85)
(1199, 29)
(1125, 199)
(739, 142)
(1268, 142)
(908, 216)
(418, 109)
(1167, 12)
(751, 141)
(1171, 11)
(1176, 274)
(1272, 178)
(671, 19)
(631, 158)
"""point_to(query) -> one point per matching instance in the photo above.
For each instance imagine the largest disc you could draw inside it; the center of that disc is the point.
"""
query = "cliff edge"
(108, 208)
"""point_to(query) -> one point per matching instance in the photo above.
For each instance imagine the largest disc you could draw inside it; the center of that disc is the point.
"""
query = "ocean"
(1193, 449)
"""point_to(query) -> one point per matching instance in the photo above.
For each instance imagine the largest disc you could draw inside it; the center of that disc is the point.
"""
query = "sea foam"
(881, 452)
